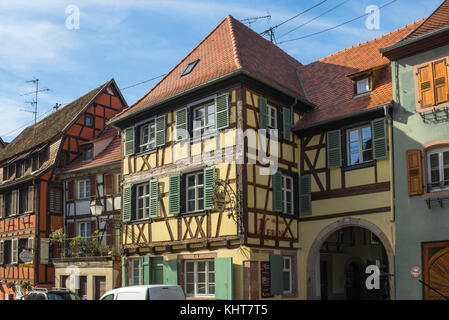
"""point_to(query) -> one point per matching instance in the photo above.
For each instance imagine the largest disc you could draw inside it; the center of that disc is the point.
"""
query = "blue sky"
(135, 40)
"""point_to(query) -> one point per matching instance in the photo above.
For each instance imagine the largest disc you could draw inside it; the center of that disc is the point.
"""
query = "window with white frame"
(438, 168)
(143, 201)
(195, 192)
(199, 278)
(287, 275)
(359, 145)
(135, 272)
(363, 86)
(83, 189)
(287, 195)
(272, 117)
(147, 137)
(88, 154)
(204, 120)
(84, 230)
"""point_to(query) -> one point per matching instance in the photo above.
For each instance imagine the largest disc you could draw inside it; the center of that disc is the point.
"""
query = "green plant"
(10, 284)
(78, 245)
(24, 285)
(58, 236)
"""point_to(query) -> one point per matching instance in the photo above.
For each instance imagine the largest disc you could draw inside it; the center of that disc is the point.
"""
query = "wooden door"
(100, 287)
(436, 272)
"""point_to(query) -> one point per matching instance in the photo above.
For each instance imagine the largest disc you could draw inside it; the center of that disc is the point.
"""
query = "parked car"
(50, 294)
(146, 292)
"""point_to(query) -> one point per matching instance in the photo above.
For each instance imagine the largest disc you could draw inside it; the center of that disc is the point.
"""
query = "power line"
(313, 19)
(334, 27)
(270, 30)
(28, 123)
(145, 81)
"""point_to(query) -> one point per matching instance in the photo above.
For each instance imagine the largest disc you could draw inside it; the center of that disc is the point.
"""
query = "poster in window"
(265, 277)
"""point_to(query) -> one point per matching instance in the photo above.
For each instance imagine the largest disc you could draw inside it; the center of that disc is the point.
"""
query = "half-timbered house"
(346, 168)
(209, 201)
(87, 259)
(30, 195)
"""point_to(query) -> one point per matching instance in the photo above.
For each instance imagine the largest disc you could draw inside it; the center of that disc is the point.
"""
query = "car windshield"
(58, 296)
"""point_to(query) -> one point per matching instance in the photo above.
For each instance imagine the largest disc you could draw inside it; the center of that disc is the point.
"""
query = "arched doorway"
(338, 258)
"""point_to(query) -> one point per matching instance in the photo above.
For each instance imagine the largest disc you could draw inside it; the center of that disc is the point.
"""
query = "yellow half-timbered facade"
(211, 175)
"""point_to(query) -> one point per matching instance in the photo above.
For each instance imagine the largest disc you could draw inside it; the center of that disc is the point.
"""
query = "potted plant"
(10, 285)
(58, 237)
(24, 286)
(78, 245)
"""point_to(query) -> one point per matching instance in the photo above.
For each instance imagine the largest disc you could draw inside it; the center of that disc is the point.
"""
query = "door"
(436, 273)
(157, 270)
(100, 286)
(323, 279)
(354, 281)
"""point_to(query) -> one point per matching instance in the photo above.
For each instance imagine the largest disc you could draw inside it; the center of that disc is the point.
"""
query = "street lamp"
(96, 207)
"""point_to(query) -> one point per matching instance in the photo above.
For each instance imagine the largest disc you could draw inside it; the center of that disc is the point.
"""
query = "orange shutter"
(414, 172)
(109, 184)
(440, 81)
(425, 83)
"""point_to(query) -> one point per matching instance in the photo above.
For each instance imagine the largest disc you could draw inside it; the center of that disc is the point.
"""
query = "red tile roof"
(110, 154)
(231, 46)
(326, 82)
(438, 19)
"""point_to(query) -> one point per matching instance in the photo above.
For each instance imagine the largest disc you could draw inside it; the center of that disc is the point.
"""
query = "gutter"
(68, 173)
(412, 40)
(384, 107)
(114, 122)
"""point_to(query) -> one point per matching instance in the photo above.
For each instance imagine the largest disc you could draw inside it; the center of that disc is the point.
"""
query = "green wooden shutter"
(127, 195)
(129, 142)
(146, 269)
(160, 131)
(223, 279)
(181, 124)
(154, 198)
(276, 274)
(174, 200)
(157, 270)
(221, 112)
(171, 272)
(379, 139)
(123, 272)
(333, 146)
(209, 188)
(287, 123)
(305, 194)
(277, 191)
(263, 113)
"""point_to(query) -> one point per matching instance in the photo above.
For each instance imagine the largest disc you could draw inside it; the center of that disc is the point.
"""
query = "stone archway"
(313, 258)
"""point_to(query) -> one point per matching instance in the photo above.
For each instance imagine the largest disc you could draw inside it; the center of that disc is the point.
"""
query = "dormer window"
(189, 68)
(363, 86)
(88, 154)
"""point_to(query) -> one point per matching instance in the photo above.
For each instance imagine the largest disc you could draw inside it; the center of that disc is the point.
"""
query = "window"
(287, 195)
(82, 291)
(8, 204)
(135, 274)
(83, 189)
(119, 181)
(189, 68)
(204, 120)
(360, 145)
(143, 201)
(287, 275)
(363, 86)
(7, 252)
(23, 200)
(432, 84)
(199, 278)
(272, 117)
(438, 163)
(88, 154)
(84, 230)
(20, 169)
(195, 192)
(35, 162)
(88, 121)
(147, 137)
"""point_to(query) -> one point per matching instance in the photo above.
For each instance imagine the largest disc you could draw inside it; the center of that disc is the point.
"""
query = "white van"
(146, 292)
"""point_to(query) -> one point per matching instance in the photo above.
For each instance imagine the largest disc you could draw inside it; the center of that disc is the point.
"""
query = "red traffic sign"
(415, 272)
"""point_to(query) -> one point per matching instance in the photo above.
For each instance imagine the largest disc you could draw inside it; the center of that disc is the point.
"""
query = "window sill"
(441, 105)
(193, 214)
(359, 166)
(146, 220)
(144, 153)
(361, 95)
(435, 194)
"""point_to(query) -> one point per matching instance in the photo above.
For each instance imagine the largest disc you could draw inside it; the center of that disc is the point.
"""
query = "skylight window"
(189, 67)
